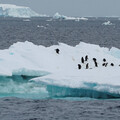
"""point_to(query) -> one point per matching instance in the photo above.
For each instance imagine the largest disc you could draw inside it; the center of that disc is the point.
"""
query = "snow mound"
(8, 10)
(62, 17)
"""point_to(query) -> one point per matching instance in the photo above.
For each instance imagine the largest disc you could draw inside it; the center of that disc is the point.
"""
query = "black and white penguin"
(112, 64)
(87, 65)
(96, 64)
(105, 64)
(104, 60)
(94, 59)
(86, 58)
(57, 51)
(82, 60)
(79, 66)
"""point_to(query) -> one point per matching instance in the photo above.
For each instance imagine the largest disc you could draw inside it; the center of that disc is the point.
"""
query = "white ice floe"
(25, 58)
(107, 23)
(9, 10)
(26, 20)
(58, 16)
(41, 26)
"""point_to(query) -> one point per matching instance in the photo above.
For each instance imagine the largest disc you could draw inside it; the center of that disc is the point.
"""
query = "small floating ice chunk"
(107, 23)
(49, 20)
(63, 17)
(82, 18)
(26, 20)
(38, 25)
(41, 26)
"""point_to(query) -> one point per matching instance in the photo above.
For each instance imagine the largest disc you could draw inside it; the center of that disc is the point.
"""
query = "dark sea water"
(23, 109)
(52, 32)
(43, 31)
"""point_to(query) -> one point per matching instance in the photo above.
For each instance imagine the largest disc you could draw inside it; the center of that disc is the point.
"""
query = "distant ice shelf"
(9, 10)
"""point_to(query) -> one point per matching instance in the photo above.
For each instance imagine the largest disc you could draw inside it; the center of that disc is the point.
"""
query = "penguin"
(103, 64)
(87, 65)
(57, 51)
(79, 66)
(112, 64)
(106, 64)
(104, 60)
(82, 60)
(96, 64)
(94, 59)
(86, 58)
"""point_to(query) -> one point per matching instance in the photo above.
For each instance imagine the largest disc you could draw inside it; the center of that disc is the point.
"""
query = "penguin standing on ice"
(104, 60)
(96, 64)
(86, 58)
(95, 61)
(105, 64)
(112, 64)
(82, 60)
(87, 65)
(79, 66)
(57, 51)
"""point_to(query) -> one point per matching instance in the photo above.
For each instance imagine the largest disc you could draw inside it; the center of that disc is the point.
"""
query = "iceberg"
(62, 17)
(58, 74)
(9, 10)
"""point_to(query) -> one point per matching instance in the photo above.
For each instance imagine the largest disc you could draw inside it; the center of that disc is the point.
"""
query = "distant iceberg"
(8, 10)
(58, 16)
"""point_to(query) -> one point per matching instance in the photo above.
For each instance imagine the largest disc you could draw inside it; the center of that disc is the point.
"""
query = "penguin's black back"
(82, 60)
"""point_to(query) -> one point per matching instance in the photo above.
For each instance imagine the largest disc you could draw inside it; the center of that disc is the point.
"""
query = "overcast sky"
(71, 7)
